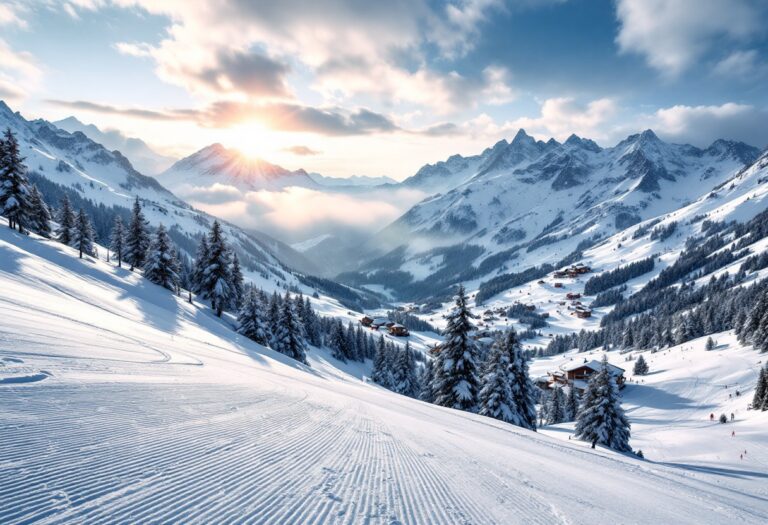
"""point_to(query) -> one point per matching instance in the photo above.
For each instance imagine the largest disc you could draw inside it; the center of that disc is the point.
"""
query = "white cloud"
(740, 64)
(673, 34)
(701, 125)
(350, 48)
(11, 14)
(297, 212)
(560, 117)
(19, 72)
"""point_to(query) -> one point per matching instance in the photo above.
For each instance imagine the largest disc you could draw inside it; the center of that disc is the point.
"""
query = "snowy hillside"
(59, 161)
(216, 164)
(527, 202)
(143, 158)
(121, 403)
(670, 407)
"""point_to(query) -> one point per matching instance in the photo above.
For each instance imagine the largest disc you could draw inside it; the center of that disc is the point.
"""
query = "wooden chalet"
(558, 285)
(572, 295)
(381, 321)
(399, 330)
(582, 313)
(577, 375)
(366, 321)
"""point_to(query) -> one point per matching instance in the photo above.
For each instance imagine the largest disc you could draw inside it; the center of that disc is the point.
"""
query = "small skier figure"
(732, 416)
(712, 417)
(733, 433)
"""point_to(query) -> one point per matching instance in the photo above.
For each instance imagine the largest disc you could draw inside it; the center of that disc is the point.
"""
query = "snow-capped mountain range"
(525, 202)
(142, 157)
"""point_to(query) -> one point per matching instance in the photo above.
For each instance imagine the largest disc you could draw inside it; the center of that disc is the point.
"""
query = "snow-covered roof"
(595, 365)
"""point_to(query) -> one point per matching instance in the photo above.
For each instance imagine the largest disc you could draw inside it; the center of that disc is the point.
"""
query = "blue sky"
(380, 88)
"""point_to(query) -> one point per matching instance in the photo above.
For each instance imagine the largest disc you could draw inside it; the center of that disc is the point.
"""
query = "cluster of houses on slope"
(577, 375)
(573, 271)
(393, 328)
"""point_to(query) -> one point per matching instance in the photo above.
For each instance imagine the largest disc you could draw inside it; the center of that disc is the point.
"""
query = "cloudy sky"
(349, 87)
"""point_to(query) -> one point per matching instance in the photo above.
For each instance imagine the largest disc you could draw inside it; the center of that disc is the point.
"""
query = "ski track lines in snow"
(115, 434)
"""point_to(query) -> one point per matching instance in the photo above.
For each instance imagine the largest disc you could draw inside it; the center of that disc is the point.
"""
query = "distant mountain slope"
(217, 164)
(142, 157)
(358, 181)
(526, 202)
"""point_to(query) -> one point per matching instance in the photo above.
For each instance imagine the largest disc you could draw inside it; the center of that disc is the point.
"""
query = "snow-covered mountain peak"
(216, 163)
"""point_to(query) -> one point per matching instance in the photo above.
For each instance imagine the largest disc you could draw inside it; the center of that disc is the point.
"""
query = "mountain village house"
(577, 375)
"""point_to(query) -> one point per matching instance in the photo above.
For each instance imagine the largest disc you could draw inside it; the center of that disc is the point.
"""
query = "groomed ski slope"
(121, 404)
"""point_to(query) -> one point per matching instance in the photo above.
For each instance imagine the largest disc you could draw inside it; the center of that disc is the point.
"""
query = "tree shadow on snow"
(653, 397)
(718, 471)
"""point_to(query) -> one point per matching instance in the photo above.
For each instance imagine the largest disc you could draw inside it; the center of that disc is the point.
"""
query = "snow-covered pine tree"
(250, 320)
(601, 419)
(710, 344)
(66, 220)
(380, 373)
(200, 264)
(456, 383)
(161, 266)
(39, 214)
(425, 394)
(216, 283)
(311, 324)
(495, 396)
(82, 234)
(523, 390)
(404, 373)
(760, 400)
(641, 366)
(288, 339)
(136, 238)
(117, 240)
(571, 404)
(14, 185)
(237, 282)
(556, 407)
(338, 341)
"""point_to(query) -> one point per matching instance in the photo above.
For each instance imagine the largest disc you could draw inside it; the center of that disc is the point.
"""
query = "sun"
(253, 141)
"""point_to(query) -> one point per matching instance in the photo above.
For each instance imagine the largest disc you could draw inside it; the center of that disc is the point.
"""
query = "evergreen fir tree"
(273, 316)
(216, 283)
(39, 214)
(496, 398)
(288, 339)
(456, 383)
(250, 320)
(523, 390)
(427, 377)
(572, 404)
(404, 374)
(641, 366)
(380, 373)
(601, 419)
(710, 345)
(82, 238)
(117, 240)
(338, 342)
(556, 407)
(66, 219)
(137, 238)
(200, 264)
(760, 400)
(14, 185)
(161, 266)
(237, 282)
